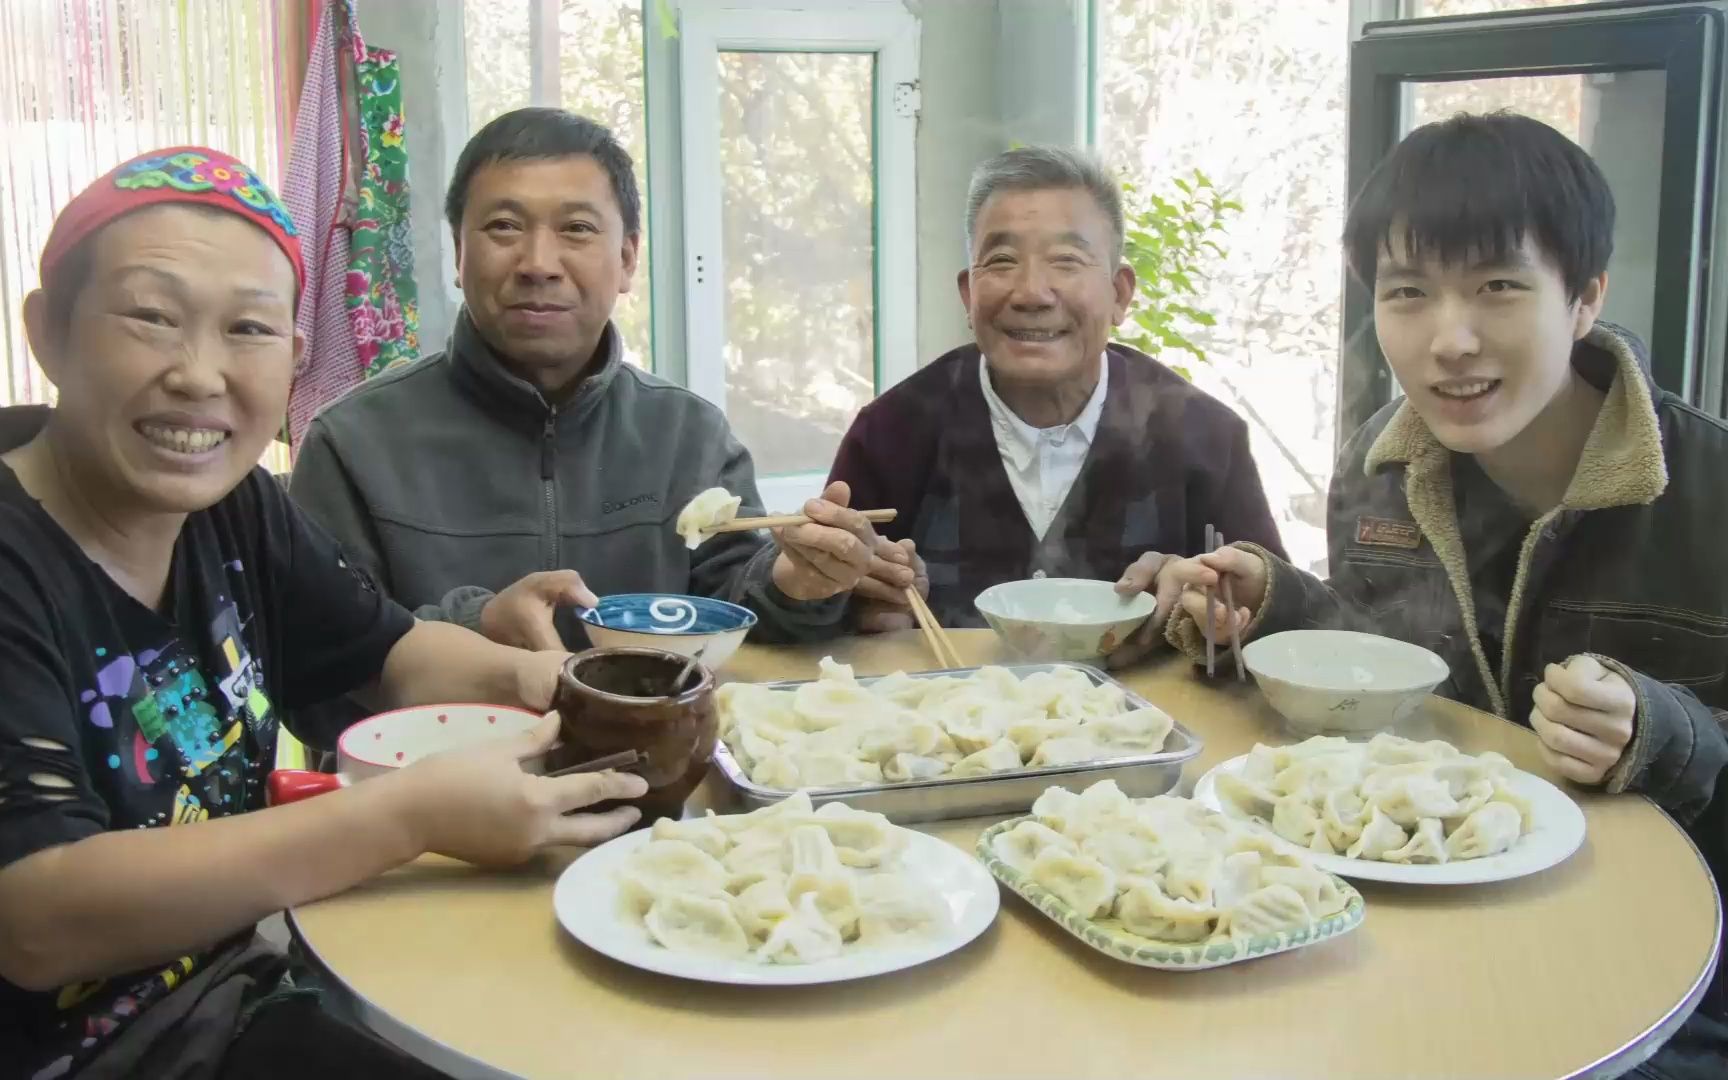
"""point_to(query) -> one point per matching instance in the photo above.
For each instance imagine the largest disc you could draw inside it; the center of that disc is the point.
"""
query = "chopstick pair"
(941, 646)
(782, 521)
(624, 760)
(1214, 541)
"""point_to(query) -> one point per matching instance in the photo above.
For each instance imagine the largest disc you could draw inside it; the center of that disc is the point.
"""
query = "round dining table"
(1579, 971)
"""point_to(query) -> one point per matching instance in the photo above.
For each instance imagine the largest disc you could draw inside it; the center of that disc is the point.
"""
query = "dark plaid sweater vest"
(1167, 459)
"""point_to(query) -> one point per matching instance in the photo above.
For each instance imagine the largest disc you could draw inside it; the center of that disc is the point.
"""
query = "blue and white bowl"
(679, 624)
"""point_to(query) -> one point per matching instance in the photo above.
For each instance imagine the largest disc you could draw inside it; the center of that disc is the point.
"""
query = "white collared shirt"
(1043, 463)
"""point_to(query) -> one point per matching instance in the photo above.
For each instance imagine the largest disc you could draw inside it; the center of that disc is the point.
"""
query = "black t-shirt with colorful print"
(114, 716)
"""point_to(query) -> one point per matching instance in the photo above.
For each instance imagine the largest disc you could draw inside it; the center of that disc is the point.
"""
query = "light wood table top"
(1575, 971)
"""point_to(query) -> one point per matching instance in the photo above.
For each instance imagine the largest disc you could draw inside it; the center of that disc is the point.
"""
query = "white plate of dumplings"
(786, 895)
(1397, 810)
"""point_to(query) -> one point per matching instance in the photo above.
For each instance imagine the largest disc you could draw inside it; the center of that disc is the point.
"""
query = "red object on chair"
(292, 785)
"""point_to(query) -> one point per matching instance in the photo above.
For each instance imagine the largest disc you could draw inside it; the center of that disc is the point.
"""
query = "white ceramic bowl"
(1063, 618)
(677, 624)
(1340, 681)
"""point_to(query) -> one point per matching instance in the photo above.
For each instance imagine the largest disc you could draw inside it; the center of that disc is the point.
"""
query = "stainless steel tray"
(1008, 792)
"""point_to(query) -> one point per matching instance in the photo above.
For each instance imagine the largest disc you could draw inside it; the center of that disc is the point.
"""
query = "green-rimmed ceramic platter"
(1109, 938)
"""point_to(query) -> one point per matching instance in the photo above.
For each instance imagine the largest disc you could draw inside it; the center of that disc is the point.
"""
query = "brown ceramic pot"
(621, 699)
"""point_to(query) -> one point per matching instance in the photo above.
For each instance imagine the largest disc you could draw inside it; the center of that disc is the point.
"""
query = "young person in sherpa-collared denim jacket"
(1534, 510)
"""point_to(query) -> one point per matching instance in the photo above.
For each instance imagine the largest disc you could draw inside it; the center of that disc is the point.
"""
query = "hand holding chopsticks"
(783, 521)
(1214, 541)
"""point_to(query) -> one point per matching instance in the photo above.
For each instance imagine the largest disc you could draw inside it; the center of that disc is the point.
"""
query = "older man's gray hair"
(1045, 168)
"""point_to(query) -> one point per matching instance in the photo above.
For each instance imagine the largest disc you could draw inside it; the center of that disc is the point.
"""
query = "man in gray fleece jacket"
(492, 484)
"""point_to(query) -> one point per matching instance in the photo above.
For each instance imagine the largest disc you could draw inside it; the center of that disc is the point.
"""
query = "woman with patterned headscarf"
(162, 604)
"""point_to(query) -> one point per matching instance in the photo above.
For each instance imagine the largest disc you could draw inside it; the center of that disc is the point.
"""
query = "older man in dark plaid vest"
(1042, 449)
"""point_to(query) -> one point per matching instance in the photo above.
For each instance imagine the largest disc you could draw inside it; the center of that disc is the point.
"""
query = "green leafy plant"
(1168, 241)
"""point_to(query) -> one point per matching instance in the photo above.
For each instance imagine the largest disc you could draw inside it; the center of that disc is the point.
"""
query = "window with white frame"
(1253, 95)
(793, 186)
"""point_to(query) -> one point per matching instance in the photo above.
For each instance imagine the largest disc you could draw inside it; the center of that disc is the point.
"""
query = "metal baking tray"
(1008, 792)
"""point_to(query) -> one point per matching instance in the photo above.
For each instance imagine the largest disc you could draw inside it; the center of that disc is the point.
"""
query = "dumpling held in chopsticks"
(716, 506)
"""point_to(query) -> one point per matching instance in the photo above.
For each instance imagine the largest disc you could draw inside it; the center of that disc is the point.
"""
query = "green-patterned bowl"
(1113, 941)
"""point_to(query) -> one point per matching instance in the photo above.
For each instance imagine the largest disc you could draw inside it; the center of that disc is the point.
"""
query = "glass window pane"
(1617, 118)
(1251, 93)
(1420, 9)
(797, 235)
(495, 38)
(601, 76)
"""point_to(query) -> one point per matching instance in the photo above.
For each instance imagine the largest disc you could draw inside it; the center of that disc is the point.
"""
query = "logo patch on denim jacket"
(1388, 532)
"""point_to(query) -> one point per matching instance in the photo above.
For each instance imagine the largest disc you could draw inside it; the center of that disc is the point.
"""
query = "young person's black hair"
(540, 132)
(1471, 188)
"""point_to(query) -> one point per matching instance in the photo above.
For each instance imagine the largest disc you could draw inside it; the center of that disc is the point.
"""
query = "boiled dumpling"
(860, 837)
(903, 767)
(669, 868)
(1144, 909)
(1142, 729)
(699, 832)
(1489, 831)
(716, 506)
(1317, 889)
(1129, 849)
(1295, 819)
(1057, 808)
(1246, 798)
(1409, 793)
(761, 906)
(1342, 815)
(775, 820)
(822, 705)
(1078, 880)
(814, 870)
(1268, 910)
(803, 937)
(908, 734)
(1237, 877)
(832, 670)
(778, 772)
(1191, 872)
(975, 721)
(1379, 836)
(895, 907)
(1427, 845)
(1020, 846)
(833, 768)
(687, 922)
(1028, 734)
(1067, 750)
(996, 757)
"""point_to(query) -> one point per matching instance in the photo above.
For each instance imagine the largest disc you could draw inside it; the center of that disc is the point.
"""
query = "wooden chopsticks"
(937, 638)
(624, 759)
(1214, 541)
(782, 521)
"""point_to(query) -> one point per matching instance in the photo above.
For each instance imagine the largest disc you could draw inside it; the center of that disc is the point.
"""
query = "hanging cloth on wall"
(383, 301)
(318, 191)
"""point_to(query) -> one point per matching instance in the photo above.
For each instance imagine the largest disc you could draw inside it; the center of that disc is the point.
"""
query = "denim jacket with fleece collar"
(1631, 567)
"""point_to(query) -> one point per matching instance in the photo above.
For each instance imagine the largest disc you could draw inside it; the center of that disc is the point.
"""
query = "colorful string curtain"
(85, 84)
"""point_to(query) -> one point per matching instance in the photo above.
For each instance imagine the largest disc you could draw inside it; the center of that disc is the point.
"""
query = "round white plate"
(586, 900)
(1559, 829)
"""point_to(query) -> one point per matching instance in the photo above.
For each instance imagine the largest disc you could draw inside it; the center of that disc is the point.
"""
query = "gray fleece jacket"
(451, 478)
